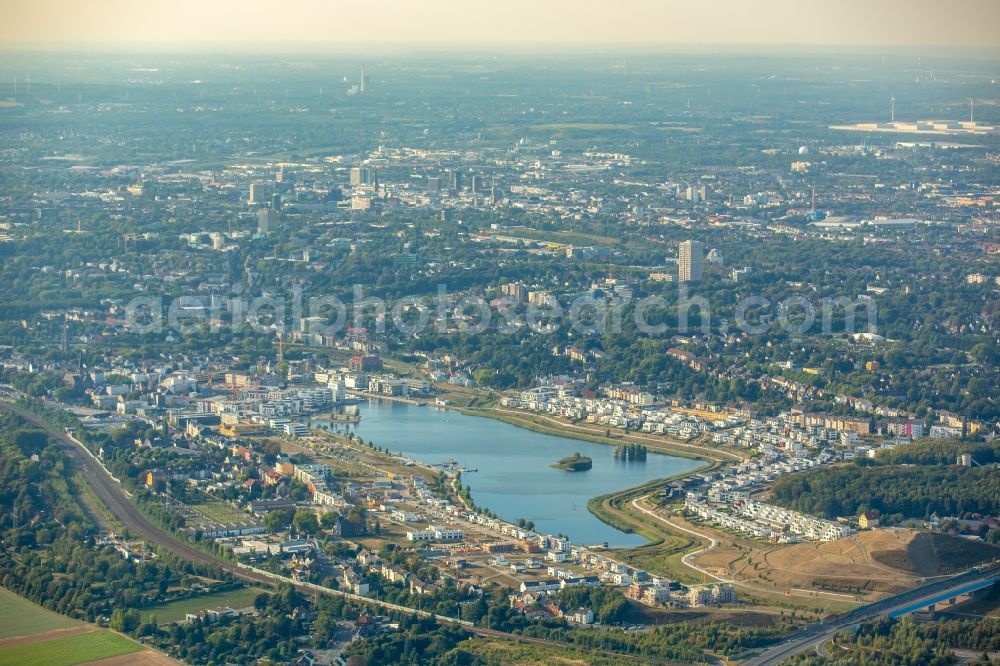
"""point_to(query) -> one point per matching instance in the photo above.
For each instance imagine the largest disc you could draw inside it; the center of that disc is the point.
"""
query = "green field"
(176, 610)
(69, 650)
(219, 512)
(20, 617)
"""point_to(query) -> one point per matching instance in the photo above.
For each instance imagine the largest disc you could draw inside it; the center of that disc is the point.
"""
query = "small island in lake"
(574, 463)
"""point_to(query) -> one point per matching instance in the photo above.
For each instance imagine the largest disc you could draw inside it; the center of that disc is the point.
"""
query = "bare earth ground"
(869, 564)
(14, 641)
(144, 658)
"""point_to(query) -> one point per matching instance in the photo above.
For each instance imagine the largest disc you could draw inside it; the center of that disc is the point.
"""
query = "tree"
(329, 520)
(986, 353)
(305, 522)
(288, 597)
(125, 621)
(483, 376)
(325, 627)
(148, 628)
(298, 490)
(275, 521)
(30, 441)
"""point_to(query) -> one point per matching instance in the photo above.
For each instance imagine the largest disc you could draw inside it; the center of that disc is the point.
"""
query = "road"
(814, 635)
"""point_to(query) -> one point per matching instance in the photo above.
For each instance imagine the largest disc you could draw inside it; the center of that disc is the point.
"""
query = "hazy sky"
(154, 23)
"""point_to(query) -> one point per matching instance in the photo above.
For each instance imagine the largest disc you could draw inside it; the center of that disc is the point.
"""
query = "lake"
(515, 479)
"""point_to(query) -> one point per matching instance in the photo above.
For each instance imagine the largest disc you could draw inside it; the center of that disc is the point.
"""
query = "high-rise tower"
(690, 261)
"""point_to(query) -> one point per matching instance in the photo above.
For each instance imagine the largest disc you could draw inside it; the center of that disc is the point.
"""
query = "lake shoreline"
(517, 474)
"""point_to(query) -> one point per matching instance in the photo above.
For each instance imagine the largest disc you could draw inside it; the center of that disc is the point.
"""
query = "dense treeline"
(608, 604)
(274, 634)
(419, 641)
(897, 492)
(50, 551)
(684, 642)
(680, 642)
(50, 557)
(938, 452)
(892, 642)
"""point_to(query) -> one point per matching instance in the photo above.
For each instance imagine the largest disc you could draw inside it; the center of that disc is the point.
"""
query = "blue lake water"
(515, 479)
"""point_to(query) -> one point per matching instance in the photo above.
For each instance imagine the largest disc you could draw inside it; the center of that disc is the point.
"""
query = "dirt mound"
(891, 557)
(933, 554)
(850, 557)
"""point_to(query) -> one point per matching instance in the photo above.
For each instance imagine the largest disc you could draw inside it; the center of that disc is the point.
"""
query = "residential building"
(691, 261)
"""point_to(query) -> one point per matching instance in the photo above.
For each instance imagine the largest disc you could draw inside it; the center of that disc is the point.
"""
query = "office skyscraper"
(361, 83)
(691, 261)
(266, 219)
(363, 176)
(256, 193)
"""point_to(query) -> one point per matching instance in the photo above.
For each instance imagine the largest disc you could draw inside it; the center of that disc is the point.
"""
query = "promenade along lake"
(514, 477)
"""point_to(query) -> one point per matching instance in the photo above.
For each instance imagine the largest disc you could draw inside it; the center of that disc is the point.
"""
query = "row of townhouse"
(392, 573)
(727, 521)
(533, 542)
(785, 434)
(840, 423)
(614, 412)
(797, 523)
(731, 483)
(436, 533)
(612, 572)
(551, 584)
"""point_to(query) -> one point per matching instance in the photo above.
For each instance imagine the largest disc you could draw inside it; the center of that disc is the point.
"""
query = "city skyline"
(399, 333)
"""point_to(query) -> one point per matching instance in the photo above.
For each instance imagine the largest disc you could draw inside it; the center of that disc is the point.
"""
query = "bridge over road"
(941, 591)
(948, 598)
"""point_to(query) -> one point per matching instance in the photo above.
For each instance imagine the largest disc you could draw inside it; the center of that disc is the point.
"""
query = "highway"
(809, 637)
